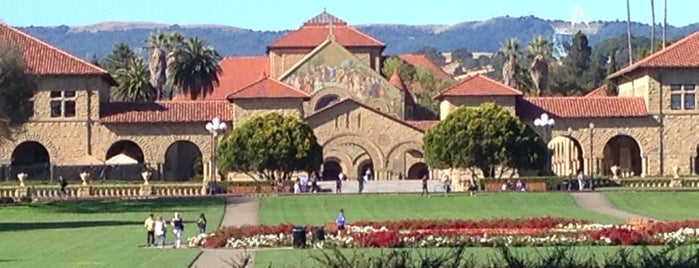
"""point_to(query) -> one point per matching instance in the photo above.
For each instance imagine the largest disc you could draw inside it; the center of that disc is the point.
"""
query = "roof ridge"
(53, 47)
(308, 56)
(655, 55)
(367, 36)
(478, 76)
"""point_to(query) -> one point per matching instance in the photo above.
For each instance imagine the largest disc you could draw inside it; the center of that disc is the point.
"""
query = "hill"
(99, 39)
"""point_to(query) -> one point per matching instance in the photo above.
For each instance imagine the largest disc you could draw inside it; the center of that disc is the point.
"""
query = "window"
(62, 103)
(682, 96)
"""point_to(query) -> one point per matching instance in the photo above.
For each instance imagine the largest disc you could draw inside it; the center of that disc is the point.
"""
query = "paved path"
(238, 211)
(598, 202)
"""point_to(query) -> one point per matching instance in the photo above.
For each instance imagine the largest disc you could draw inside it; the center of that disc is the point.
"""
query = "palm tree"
(157, 64)
(539, 69)
(664, 23)
(134, 84)
(652, 29)
(510, 49)
(173, 44)
(628, 30)
(196, 68)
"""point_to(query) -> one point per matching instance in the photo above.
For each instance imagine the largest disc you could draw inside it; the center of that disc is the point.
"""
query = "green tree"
(540, 50)
(510, 50)
(578, 73)
(461, 55)
(273, 144)
(196, 68)
(393, 63)
(488, 138)
(611, 68)
(432, 54)
(133, 82)
(17, 88)
(118, 58)
(425, 87)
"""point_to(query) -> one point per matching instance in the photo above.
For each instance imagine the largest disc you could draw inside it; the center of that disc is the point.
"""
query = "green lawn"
(319, 209)
(669, 206)
(106, 233)
(303, 258)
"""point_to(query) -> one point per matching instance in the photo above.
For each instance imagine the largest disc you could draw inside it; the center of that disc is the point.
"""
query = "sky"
(290, 14)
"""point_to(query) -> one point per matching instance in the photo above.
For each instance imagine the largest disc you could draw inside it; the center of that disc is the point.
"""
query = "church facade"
(329, 73)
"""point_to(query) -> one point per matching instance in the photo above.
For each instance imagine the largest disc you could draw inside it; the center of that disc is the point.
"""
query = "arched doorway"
(325, 101)
(417, 171)
(32, 158)
(124, 148)
(181, 157)
(566, 156)
(365, 166)
(623, 151)
(331, 169)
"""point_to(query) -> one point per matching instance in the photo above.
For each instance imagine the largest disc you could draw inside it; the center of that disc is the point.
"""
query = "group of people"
(156, 229)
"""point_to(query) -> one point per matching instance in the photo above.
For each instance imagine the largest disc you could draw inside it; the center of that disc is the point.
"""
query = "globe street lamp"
(592, 151)
(215, 127)
(545, 122)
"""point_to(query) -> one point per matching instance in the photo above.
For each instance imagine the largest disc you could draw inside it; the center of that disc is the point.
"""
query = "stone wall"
(449, 104)
(245, 108)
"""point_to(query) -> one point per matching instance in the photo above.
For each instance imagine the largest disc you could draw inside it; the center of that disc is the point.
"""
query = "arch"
(625, 152)
(366, 165)
(331, 169)
(33, 158)
(365, 144)
(125, 147)
(180, 159)
(417, 171)
(566, 156)
(317, 96)
(395, 153)
(325, 101)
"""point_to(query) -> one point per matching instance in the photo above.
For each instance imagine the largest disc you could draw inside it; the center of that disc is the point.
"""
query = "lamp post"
(592, 151)
(545, 122)
(215, 127)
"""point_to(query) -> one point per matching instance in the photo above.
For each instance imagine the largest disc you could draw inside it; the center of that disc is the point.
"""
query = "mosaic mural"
(335, 67)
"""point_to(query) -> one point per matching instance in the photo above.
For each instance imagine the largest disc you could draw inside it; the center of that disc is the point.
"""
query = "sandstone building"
(329, 74)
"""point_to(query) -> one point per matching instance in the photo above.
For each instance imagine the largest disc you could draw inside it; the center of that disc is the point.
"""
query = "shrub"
(6, 200)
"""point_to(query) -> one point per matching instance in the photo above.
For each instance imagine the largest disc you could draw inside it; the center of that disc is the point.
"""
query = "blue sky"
(289, 14)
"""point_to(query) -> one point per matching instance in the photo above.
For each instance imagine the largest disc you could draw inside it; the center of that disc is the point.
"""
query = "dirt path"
(597, 202)
(238, 211)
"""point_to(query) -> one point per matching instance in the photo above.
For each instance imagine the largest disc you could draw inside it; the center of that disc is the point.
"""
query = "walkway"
(598, 202)
(238, 211)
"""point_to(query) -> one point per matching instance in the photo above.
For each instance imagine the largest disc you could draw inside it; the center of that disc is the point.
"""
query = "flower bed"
(450, 233)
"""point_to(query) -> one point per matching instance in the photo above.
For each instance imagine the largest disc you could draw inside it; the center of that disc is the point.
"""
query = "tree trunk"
(664, 24)
(509, 72)
(628, 30)
(652, 28)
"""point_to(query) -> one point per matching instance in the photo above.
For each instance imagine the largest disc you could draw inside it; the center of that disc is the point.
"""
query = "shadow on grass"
(7, 260)
(25, 226)
(123, 206)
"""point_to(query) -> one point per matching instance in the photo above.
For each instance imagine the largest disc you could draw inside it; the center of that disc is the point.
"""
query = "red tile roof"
(267, 88)
(349, 100)
(164, 112)
(478, 85)
(396, 81)
(44, 59)
(422, 124)
(682, 54)
(597, 92)
(581, 107)
(422, 60)
(325, 18)
(312, 35)
(238, 72)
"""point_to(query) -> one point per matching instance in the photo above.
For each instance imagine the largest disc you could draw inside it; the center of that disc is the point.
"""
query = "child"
(201, 223)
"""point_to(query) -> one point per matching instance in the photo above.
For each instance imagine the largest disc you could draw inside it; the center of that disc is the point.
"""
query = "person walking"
(177, 228)
(160, 229)
(424, 186)
(338, 183)
(149, 224)
(340, 220)
(201, 223)
(63, 183)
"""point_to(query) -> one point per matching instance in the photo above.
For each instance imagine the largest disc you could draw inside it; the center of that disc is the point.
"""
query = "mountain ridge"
(99, 39)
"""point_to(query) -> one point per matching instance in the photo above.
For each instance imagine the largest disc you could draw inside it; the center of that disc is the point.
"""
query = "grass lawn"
(319, 209)
(107, 233)
(669, 206)
(298, 258)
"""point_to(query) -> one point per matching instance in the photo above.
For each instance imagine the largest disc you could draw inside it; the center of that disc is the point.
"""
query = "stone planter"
(85, 177)
(146, 176)
(21, 177)
(676, 172)
(615, 172)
